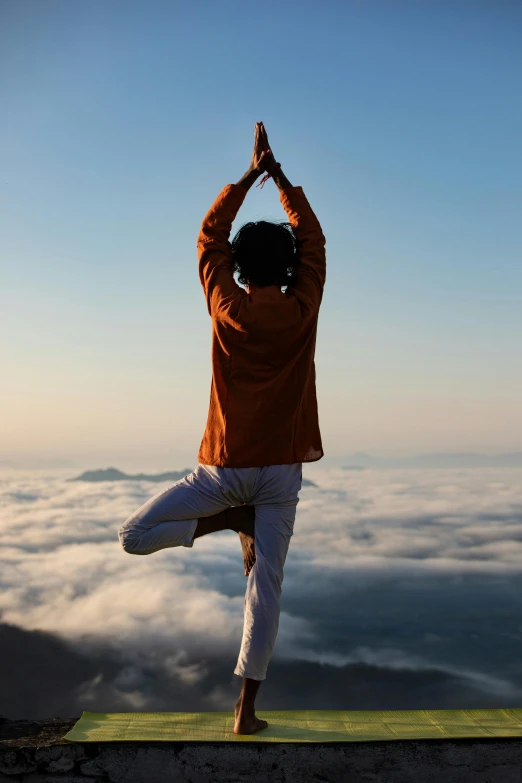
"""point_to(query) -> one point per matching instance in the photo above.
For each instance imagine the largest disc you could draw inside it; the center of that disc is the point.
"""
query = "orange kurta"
(263, 405)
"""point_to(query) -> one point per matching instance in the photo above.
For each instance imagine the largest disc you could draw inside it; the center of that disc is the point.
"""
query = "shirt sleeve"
(215, 252)
(311, 272)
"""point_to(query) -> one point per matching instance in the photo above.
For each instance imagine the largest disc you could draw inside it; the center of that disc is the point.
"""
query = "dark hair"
(265, 253)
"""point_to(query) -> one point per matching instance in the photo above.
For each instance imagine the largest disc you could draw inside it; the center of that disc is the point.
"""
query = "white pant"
(170, 519)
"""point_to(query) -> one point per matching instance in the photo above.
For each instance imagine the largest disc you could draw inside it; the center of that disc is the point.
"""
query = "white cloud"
(462, 520)
(64, 570)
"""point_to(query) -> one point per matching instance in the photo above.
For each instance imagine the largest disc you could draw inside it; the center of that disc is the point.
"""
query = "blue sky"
(122, 122)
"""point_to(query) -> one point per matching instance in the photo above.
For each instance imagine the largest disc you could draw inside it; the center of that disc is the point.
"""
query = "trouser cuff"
(241, 673)
(189, 538)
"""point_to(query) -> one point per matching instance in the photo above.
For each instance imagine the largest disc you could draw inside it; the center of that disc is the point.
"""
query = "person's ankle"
(246, 706)
(244, 714)
(240, 517)
(232, 521)
(235, 518)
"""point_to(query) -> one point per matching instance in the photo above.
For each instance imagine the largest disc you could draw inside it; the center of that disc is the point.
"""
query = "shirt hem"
(255, 464)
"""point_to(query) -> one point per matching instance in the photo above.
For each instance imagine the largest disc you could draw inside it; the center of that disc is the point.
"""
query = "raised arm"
(311, 271)
(216, 270)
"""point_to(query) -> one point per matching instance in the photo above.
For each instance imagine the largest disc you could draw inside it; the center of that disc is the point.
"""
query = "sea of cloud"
(401, 590)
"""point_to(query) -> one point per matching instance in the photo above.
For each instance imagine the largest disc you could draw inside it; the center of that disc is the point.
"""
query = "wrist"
(248, 178)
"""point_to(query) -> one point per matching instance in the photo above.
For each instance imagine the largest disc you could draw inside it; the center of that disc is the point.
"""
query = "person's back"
(263, 408)
(262, 421)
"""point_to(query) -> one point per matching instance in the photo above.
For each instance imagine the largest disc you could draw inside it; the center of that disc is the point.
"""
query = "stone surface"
(34, 752)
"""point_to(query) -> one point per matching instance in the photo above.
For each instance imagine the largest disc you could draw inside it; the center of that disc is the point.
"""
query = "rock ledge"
(34, 752)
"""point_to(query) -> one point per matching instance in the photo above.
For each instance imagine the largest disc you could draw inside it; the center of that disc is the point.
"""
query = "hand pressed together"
(263, 162)
(262, 158)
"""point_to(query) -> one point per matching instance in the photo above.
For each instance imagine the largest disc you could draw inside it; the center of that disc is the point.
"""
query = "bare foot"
(248, 545)
(244, 525)
(247, 723)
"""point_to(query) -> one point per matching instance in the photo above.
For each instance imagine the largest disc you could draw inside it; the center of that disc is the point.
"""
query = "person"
(263, 421)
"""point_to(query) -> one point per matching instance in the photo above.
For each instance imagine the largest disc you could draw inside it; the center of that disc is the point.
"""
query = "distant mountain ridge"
(113, 474)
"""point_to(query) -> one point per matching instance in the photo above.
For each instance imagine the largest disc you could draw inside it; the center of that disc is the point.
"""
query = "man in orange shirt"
(263, 420)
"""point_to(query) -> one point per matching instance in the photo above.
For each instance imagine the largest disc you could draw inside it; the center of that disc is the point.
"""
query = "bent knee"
(130, 544)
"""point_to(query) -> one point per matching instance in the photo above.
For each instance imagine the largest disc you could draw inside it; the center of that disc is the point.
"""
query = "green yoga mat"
(297, 726)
